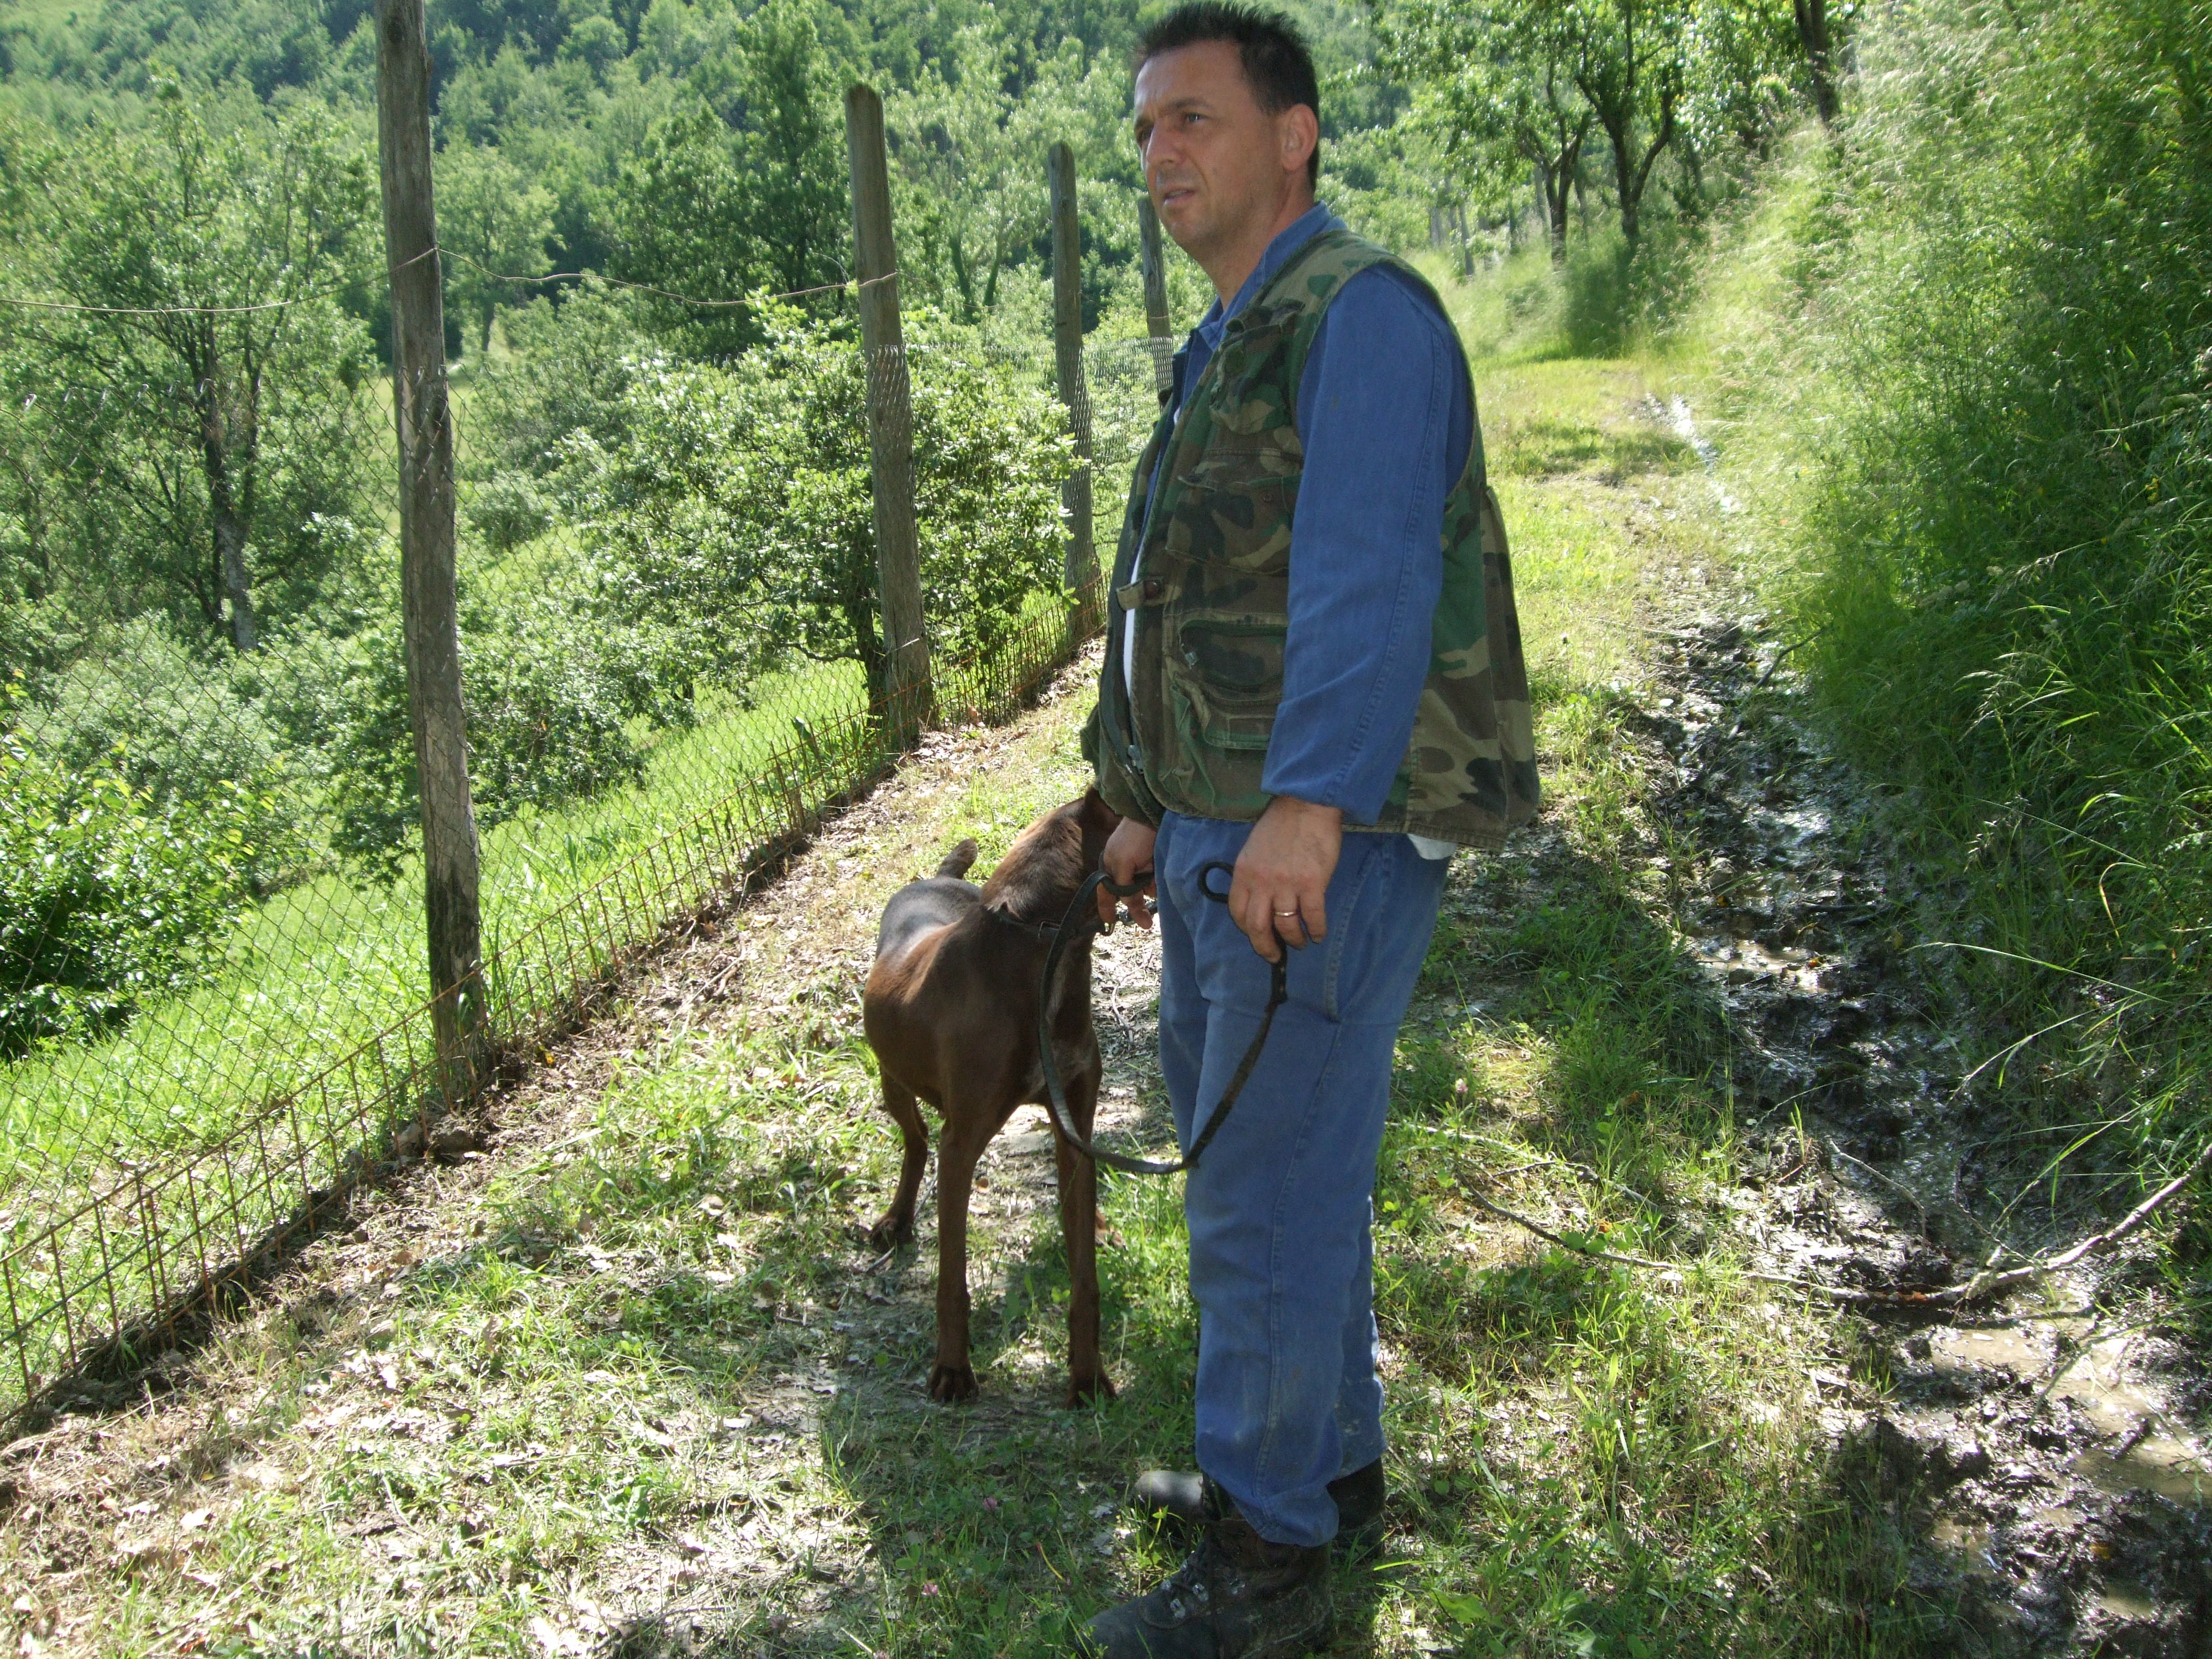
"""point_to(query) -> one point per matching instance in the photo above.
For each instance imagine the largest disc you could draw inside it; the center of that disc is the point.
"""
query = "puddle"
(2096, 1381)
(2066, 1498)
(1686, 428)
(2119, 1601)
(2161, 1464)
(2022, 1353)
(1971, 1544)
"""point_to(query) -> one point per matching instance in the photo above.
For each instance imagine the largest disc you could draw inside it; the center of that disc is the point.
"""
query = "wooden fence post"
(1082, 566)
(430, 620)
(906, 688)
(1152, 260)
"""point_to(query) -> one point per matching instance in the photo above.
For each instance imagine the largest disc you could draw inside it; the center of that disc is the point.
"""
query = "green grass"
(591, 1389)
(322, 967)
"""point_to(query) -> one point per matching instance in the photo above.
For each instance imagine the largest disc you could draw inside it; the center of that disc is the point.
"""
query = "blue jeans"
(1280, 1208)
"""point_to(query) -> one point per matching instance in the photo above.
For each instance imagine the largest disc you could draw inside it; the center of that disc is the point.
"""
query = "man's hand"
(1129, 855)
(1282, 875)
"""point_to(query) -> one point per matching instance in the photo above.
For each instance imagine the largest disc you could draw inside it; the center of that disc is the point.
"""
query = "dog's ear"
(1097, 811)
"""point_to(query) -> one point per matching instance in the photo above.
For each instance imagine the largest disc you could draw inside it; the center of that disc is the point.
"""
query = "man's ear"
(1297, 130)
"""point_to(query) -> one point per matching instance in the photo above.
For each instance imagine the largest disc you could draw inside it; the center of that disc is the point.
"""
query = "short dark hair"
(1273, 50)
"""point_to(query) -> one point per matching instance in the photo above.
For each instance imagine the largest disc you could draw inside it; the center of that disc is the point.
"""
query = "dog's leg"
(952, 1379)
(1079, 1228)
(897, 1224)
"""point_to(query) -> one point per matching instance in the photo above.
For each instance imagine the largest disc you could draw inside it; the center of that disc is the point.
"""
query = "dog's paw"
(1088, 1390)
(951, 1385)
(892, 1231)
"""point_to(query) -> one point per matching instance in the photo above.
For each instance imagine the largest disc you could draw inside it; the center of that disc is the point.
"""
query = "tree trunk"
(962, 280)
(1624, 170)
(1812, 35)
(223, 506)
(230, 543)
(1552, 186)
(860, 609)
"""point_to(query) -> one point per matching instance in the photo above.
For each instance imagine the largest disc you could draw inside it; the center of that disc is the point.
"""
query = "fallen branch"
(1835, 1292)
(1986, 1282)
(1983, 1284)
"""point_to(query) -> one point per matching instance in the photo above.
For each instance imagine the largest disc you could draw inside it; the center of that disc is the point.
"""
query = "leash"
(1083, 906)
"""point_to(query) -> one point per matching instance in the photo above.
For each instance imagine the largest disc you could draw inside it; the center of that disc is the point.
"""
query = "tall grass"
(1985, 394)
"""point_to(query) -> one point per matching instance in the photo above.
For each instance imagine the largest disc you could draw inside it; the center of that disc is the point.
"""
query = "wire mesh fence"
(213, 1017)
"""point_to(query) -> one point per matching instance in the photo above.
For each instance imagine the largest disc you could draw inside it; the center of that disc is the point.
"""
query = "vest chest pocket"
(1234, 509)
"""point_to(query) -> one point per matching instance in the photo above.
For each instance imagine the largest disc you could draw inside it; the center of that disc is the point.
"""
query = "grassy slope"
(322, 967)
(573, 1397)
(1969, 641)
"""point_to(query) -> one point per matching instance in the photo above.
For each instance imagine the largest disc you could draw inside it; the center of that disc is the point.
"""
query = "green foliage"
(108, 900)
(1995, 378)
(571, 371)
(183, 730)
(550, 695)
(743, 191)
(742, 493)
(191, 455)
(494, 224)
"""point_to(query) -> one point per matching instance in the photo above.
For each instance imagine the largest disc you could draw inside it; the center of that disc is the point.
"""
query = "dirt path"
(2042, 1451)
(623, 1376)
(106, 1504)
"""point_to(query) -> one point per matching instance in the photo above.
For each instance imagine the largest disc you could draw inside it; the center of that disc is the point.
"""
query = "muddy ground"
(2042, 1450)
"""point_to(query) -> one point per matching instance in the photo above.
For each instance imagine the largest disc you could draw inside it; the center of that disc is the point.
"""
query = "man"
(1313, 678)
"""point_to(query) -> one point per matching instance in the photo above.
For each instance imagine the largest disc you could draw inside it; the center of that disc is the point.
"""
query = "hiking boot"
(1237, 1596)
(1181, 1493)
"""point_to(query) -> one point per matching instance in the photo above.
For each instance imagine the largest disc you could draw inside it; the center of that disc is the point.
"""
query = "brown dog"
(952, 1012)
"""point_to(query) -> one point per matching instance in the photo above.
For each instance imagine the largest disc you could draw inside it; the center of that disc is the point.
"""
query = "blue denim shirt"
(1386, 417)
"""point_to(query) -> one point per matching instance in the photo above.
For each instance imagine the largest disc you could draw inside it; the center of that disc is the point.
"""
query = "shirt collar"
(1288, 240)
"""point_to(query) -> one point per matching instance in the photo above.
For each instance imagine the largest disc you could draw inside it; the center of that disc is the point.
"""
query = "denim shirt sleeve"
(1386, 417)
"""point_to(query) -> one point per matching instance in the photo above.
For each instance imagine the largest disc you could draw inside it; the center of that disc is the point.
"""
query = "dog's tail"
(957, 861)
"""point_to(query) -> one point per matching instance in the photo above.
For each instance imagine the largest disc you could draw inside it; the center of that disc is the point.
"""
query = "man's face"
(1216, 163)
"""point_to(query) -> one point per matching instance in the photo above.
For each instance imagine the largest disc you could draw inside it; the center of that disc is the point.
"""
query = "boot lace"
(1206, 1571)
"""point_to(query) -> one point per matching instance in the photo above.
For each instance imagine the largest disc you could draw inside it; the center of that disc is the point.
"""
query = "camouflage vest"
(1210, 591)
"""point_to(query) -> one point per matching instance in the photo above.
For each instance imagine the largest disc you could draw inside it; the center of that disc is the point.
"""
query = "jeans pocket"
(1352, 944)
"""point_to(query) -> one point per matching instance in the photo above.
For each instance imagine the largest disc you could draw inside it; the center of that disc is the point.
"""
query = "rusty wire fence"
(214, 1021)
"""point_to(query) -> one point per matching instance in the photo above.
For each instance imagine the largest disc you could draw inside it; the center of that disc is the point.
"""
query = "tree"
(743, 191)
(969, 153)
(1812, 18)
(497, 224)
(204, 401)
(1500, 87)
(1630, 64)
(1744, 57)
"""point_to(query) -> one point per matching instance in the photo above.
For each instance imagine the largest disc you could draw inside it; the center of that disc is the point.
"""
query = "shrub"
(507, 509)
(180, 727)
(549, 693)
(571, 370)
(736, 514)
(108, 900)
